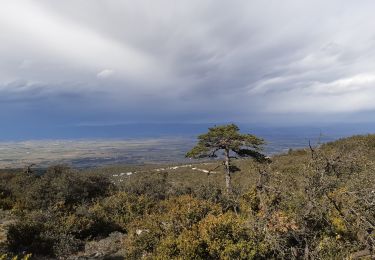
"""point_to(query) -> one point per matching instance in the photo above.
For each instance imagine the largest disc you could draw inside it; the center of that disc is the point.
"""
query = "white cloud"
(50, 37)
(168, 57)
(352, 94)
(105, 74)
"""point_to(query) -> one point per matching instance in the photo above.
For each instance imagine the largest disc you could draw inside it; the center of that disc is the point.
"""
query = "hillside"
(316, 203)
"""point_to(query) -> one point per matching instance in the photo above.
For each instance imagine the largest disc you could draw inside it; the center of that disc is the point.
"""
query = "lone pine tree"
(227, 138)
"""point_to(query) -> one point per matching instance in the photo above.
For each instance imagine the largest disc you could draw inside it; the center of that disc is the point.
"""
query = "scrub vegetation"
(313, 203)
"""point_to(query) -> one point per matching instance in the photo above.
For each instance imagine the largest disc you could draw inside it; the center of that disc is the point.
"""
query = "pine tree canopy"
(227, 137)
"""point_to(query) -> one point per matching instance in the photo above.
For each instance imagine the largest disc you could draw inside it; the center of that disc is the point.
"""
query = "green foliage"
(15, 257)
(307, 204)
(42, 233)
(226, 137)
(171, 217)
(59, 187)
(225, 236)
(229, 237)
(121, 208)
(184, 211)
(153, 185)
(251, 202)
(6, 196)
(28, 236)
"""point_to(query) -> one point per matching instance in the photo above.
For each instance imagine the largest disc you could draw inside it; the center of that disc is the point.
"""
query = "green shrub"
(172, 217)
(150, 184)
(119, 209)
(29, 237)
(60, 186)
(226, 236)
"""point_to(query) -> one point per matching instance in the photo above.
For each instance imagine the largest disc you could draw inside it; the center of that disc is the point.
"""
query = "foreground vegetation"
(316, 203)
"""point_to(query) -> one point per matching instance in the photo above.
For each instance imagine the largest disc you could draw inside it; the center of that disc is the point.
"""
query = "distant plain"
(140, 144)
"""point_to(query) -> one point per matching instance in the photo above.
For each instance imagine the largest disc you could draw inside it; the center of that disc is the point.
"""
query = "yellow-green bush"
(121, 208)
(172, 217)
(182, 212)
(15, 257)
(250, 202)
(317, 205)
(229, 237)
(226, 236)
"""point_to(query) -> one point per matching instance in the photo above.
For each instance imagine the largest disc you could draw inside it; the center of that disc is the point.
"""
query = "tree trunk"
(228, 177)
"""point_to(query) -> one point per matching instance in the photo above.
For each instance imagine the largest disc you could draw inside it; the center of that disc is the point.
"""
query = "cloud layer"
(124, 61)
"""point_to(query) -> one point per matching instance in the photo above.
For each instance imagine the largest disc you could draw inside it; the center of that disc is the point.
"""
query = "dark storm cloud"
(188, 60)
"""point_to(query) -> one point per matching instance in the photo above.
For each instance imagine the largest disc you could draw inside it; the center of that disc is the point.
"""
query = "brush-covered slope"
(314, 203)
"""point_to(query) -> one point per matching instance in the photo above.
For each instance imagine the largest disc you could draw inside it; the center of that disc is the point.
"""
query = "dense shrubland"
(316, 203)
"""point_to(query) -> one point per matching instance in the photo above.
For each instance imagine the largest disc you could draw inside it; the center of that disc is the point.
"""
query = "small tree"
(228, 139)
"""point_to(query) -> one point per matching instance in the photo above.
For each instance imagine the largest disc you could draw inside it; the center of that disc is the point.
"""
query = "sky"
(107, 62)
